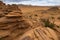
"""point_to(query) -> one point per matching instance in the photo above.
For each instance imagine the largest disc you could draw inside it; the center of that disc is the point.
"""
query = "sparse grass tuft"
(47, 23)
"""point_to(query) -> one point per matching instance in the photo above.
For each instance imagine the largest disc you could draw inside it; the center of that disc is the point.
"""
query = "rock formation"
(53, 9)
(1, 3)
(14, 26)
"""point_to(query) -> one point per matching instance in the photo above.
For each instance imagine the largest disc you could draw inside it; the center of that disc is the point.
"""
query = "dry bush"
(47, 23)
(58, 18)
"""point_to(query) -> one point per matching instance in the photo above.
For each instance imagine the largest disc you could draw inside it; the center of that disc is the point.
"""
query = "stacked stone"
(12, 22)
(12, 25)
(1, 3)
(9, 21)
(53, 9)
(40, 33)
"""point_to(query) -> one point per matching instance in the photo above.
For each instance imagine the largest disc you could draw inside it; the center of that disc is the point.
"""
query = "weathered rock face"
(10, 18)
(5, 9)
(54, 9)
(1, 3)
(40, 33)
(13, 26)
(13, 7)
(2, 7)
(12, 23)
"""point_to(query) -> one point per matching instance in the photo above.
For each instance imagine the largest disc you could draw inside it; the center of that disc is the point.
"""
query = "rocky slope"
(15, 25)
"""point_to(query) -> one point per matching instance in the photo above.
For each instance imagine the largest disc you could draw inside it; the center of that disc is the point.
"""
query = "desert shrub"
(36, 15)
(0, 39)
(58, 26)
(47, 23)
(59, 18)
(0, 7)
(52, 17)
(29, 16)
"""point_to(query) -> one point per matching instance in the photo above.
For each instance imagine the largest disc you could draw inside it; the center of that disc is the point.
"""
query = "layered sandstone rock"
(14, 26)
(40, 33)
(1, 3)
(53, 9)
